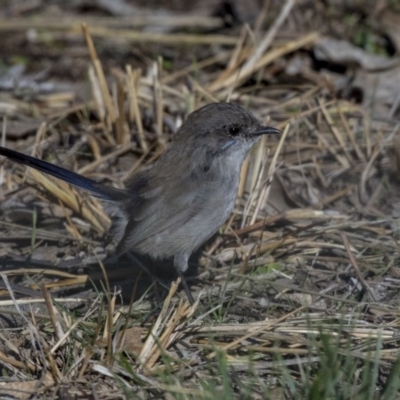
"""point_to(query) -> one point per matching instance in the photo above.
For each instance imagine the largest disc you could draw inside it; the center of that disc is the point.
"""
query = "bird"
(169, 210)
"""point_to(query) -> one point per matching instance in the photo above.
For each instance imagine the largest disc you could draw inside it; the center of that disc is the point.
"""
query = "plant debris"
(299, 287)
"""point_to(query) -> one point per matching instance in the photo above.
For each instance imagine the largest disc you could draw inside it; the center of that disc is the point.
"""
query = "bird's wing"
(164, 202)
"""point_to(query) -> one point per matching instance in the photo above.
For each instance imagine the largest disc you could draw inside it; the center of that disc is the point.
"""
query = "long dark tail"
(97, 189)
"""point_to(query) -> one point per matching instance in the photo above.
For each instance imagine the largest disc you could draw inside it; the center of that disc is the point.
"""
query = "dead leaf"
(303, 299)
(132, 340)
(344, 53)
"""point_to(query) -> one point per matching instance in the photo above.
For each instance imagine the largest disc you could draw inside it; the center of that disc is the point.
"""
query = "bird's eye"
(233, 130)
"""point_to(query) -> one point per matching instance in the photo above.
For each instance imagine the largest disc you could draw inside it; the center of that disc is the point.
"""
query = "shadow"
(129, 275)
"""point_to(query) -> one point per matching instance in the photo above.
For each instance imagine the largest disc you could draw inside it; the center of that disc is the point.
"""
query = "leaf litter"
(311, 250)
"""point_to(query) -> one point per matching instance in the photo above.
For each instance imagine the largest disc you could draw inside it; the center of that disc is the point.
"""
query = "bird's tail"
(97, 189)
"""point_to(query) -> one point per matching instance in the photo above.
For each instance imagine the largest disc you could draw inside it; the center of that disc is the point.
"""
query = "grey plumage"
(175, 206)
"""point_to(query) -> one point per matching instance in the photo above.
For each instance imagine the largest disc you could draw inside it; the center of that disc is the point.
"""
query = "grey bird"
(171, 209)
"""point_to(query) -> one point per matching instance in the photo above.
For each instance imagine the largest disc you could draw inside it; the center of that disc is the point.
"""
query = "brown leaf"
(132, 340)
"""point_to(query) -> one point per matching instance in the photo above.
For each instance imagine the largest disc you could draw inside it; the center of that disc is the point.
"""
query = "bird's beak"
(266, 130)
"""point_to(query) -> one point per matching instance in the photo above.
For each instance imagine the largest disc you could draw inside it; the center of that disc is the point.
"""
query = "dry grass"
(297, 297)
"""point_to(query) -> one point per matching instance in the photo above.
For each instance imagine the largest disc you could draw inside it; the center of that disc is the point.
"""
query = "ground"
(297, 296)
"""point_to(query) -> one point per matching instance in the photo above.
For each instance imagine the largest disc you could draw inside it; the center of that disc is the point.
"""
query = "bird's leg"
(181, 265)
(185, 286)
(157, 281)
